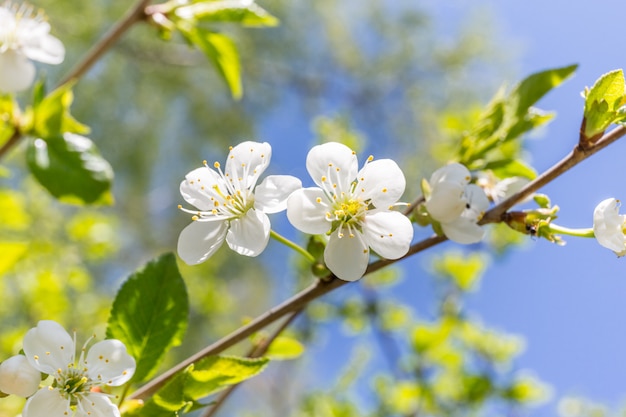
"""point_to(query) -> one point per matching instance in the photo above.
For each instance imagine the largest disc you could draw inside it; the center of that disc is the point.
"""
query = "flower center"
(231, 197)
(232, 205)
(72, 382)
(347, 214)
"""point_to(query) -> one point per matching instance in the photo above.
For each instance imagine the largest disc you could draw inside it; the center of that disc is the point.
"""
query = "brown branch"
(321, 287)
(15, 137)
(255, 352)
(577, 155)
(132, 16)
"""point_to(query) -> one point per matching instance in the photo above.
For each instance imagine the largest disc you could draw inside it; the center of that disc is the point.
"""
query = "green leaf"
(242, 12)
(150, 314)
(507, 117)
(507, 168)
(11, 253)
(535, 86)
(214, 373)
(221, 51)
(284, 348)
(602, 103)
(71, 168)
(205, 377)
(51, 115)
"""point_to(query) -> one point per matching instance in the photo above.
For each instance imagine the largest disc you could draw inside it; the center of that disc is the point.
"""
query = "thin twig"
(577, 155)
(15, 137)
(132, 16)
(323, 287)
(254, 352)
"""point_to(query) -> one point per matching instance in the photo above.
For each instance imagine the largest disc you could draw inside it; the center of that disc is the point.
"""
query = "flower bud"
(18, 377)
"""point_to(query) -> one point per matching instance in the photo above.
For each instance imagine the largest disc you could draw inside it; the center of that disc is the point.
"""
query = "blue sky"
(569, 302)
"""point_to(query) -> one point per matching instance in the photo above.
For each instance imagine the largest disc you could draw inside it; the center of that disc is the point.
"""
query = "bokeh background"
(388, 77)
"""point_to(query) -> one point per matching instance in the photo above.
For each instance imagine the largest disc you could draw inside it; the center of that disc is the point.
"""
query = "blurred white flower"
(17, 377)
(456, 204)
(500, 190)
(24, 37)
(353, 208)
(229, 206)
(609, 226)
(51, 350)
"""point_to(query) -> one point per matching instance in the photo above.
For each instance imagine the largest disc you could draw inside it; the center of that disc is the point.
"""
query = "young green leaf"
(507, 117)
(221, 51)
(284, 348)
(215, 373)
(602, 104)
(534, 87)
(71, 168)
(51, 115)
(243, 12)
(150, 314)
(208, 376)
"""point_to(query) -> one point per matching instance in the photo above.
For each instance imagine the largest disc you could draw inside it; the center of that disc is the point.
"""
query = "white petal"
(382, 181)
(271, 195)
(198, 188)
(508, 187)
(463, 230)
(477, 201)
(48, 50)
(388, 233)
(608, 226)
(347, 257)
(18, 377)
(109, 362)
(306, 211)
(336, 162)
(248, 235)
(96, 405)
(199, 240)
(455, 173)
(47, 403)
(17, 73)
(48, 347)
(246, 162)
(447, 201)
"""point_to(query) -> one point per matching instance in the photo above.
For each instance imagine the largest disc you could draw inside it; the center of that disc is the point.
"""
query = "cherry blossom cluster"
(354, 209)
(79, 386)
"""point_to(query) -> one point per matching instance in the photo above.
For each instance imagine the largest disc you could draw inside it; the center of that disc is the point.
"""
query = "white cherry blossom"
(24, 37)
(609, 226)
(456, 204)
(353, 208)
(77, 389)
(230, 206)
